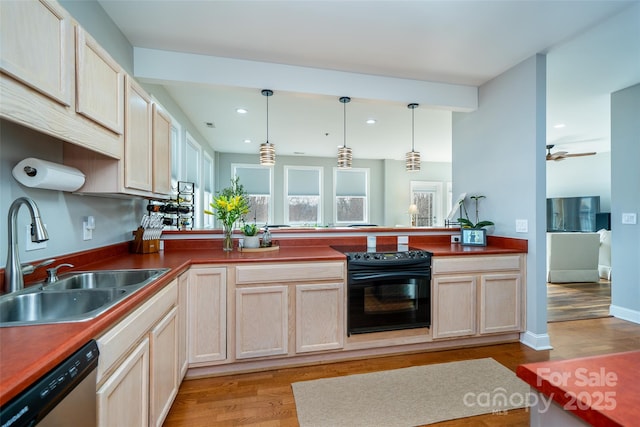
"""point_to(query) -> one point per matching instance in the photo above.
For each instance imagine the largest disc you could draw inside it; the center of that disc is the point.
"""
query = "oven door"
(380, 300)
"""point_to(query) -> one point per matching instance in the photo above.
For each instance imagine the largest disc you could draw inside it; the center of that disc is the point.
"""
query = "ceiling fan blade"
(581, 154)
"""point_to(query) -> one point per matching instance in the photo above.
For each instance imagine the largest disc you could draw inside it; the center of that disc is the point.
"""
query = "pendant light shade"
(345, 155)
(413, 157)
(267, 150)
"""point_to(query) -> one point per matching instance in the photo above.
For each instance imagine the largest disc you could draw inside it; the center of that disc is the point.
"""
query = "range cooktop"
(382, 253)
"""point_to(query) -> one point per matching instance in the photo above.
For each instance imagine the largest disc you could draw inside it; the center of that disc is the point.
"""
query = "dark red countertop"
(602, 390)
(28, 352)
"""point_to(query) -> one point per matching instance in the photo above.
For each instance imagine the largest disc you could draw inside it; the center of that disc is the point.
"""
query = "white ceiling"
(457, 42)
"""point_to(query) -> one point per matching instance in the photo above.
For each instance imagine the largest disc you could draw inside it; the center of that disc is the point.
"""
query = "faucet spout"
(13, 276)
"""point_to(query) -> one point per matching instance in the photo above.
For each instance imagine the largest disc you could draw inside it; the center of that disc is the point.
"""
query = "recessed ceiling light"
(371, 121)
(210, 125)
(559, 126)
(247, 141)
(241, 110)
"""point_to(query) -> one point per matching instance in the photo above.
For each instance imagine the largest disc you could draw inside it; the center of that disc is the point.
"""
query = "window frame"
(366, 197)
(285, 202)
(234, 174)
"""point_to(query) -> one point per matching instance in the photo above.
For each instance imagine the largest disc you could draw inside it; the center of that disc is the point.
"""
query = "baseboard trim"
(536, 341)
(624, 313)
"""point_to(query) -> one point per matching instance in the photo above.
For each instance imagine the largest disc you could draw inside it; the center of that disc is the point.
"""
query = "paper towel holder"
(39, 173)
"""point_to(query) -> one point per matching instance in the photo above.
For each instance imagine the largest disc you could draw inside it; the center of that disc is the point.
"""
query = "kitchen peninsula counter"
(28, 352)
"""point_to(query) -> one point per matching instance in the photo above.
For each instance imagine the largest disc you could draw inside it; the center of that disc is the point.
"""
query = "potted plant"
(251, 239)
(229, 206)
(466, 222)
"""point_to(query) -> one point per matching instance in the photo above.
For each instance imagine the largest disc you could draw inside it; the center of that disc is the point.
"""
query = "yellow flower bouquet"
(229, 206)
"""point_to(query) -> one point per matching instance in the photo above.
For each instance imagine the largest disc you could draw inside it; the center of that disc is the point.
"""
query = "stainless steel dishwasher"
(65, 396)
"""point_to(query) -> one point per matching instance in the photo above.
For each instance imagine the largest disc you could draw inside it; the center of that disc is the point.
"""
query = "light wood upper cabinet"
(138, 155)
(161, 151)
(37, 47)
(99, 84)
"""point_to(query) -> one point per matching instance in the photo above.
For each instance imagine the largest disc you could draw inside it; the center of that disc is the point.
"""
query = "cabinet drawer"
(272, 273)
(463, 264)
(117, 341)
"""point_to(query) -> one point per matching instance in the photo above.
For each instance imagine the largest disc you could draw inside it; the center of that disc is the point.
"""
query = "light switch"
(522, 226)
(629, 218)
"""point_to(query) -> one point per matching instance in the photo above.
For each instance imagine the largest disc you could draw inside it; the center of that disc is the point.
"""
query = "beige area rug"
(411, 396)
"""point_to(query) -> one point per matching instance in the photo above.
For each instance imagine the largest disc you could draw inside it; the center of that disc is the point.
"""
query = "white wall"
(499, 153)
(625, 193)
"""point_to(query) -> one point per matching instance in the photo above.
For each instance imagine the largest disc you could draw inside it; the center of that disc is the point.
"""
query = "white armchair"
(604, 255)
(572, 257)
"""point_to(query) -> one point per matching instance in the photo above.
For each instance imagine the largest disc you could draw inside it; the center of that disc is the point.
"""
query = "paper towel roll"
(39, 173)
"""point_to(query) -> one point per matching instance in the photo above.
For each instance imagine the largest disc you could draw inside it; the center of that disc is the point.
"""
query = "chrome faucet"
(52, 273)
(14, 272)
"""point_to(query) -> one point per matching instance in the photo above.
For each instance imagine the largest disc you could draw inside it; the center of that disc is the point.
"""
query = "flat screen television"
(572, 213)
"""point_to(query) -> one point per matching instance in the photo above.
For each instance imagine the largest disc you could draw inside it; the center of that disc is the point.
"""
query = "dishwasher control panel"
(41, 397)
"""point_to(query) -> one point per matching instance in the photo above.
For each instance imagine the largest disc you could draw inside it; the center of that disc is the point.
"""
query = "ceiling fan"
(561, 155)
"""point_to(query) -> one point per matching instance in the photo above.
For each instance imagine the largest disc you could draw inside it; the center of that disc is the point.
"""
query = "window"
(303, 195)
(258, 184)
(351, 189)
(193, 153)
(427, 196)
(207, 189)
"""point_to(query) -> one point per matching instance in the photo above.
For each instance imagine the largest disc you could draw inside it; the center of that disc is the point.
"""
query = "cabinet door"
(163, 365)
(454, 306)
(207, 315)
(261, 321)
(137, 138)
(161, 151)
(319, 317)
(183, 290)
(500, 303)
(123, 400)
(41, 57)
(99, 84)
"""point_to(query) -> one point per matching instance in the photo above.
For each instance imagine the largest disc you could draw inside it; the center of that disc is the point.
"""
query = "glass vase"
(227, 239)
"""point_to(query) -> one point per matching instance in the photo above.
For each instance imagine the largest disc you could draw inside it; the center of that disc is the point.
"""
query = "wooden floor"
(573, 301)
(266, 399)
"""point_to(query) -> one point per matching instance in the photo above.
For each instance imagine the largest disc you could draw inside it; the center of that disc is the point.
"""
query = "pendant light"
(413, 157)
(267, 150)
(344, 152)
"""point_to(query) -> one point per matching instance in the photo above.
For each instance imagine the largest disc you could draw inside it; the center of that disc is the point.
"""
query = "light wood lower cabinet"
(454, 306)
(319, 317)
(262, 321)
(138, 373)
(183, 294)
(164, 378)
(477, 295)
(123, 399)
(207, 315)
(285, 309)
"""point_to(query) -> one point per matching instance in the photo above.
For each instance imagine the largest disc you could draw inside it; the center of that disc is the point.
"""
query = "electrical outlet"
(32, 246)
(455, 239)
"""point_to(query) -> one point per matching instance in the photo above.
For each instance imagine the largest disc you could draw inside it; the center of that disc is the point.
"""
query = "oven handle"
(361, 277)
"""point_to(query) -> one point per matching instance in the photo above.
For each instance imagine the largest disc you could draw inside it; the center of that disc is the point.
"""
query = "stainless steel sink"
(75, 297)
(100, 279)
(56, 306)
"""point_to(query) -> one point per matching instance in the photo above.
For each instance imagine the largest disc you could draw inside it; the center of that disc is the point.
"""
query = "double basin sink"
(74, 297)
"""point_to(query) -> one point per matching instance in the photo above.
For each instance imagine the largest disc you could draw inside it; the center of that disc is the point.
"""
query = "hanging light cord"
(267, 118)
(413, 128)
(344, 136)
